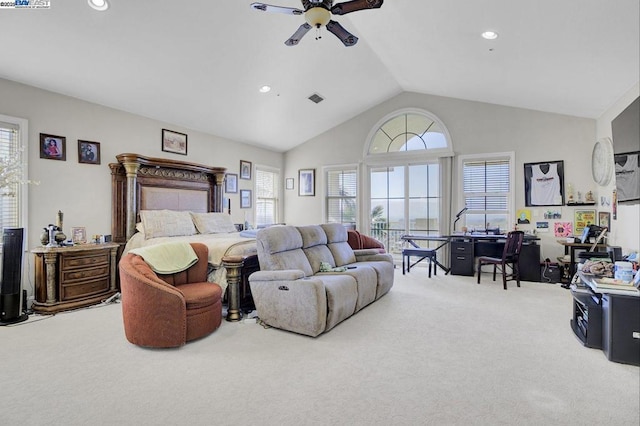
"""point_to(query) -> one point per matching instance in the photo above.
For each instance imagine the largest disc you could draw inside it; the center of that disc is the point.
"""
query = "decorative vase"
(44, 237)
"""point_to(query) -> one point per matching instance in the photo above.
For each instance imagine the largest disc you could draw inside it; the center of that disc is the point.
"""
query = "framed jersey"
(544, 183)
(627, 169)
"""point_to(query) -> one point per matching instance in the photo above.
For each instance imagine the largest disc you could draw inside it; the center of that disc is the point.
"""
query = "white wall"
(475, 127)
(83, 191)
(625, 231)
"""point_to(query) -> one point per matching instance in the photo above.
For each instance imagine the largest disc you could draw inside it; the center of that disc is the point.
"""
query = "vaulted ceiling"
(200, 63)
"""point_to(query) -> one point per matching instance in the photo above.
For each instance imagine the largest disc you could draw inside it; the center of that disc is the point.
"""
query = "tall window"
(487, 192)
(341, 198)
(267, 183)
(13, 158)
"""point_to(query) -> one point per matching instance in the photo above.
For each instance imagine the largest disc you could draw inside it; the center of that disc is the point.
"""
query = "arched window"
(408, 156)
(409, 131)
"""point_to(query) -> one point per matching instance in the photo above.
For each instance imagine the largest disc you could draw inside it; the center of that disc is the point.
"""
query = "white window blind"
(266, 196)
(342, 191)
(487, 191)
(10, 195)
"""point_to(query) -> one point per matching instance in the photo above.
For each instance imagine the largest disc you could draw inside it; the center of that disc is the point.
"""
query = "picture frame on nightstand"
(79, 235)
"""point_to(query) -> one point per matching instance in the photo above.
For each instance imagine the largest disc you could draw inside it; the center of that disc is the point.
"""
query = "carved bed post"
(218, 193)
(132, 175)
(233, 264)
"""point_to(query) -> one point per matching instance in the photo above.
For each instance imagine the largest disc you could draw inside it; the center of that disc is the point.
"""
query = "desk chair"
(510, 257)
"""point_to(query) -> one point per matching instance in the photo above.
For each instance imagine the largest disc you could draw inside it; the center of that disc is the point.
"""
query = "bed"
(152, 187)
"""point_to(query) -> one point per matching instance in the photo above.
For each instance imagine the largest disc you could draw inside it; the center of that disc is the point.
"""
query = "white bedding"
(219, 245)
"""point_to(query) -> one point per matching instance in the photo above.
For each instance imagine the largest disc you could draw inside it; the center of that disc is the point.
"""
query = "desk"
(411, 239)
(570, 249)
(466, 247)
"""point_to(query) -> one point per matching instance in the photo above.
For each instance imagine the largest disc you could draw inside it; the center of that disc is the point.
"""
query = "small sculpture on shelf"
(589, 197)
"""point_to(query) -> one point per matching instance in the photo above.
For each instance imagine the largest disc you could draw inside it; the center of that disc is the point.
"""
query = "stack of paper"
(613, 284)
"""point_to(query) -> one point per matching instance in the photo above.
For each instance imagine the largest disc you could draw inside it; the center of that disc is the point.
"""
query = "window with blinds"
(266, 196)
(10, 194)
(341, 201)
(487, 193)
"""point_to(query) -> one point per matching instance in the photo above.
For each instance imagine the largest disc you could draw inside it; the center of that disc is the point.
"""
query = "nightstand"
(73, 277)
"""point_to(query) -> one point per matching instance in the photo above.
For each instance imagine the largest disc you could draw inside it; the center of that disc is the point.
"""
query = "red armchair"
(163, 311)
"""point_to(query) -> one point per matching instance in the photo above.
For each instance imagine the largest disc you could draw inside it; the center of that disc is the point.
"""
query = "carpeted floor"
(441, 351)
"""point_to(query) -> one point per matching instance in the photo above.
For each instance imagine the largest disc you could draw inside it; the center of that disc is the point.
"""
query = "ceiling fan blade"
(295, 38)
(345, 36)
(355, 5)
(276, 9)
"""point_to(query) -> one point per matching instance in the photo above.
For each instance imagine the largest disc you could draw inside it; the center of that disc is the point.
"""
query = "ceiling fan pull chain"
(318, 34)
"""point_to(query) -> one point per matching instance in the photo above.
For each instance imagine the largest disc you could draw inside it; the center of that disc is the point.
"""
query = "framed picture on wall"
(627, 168)
(289, 183)
(88, 152)
(544, 183)
(174, 142)
(231, 183)
(53, 147)
(582, 219)
(245, 198)
(307, 182)
(245, 169)
(604, 220)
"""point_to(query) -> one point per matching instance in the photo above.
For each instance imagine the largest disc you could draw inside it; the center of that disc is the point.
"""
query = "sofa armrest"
(373, 257)
(286, 275)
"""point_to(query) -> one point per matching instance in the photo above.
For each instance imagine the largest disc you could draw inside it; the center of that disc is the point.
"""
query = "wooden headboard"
(145, 183)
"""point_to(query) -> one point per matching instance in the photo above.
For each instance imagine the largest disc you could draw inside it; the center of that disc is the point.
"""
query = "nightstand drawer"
(86, 273)
(84, 288)
(78, 260)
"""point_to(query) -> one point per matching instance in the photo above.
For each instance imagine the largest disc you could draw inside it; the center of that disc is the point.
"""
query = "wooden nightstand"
(73, 277)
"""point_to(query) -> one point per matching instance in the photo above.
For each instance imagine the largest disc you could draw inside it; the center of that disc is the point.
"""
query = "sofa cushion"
(280, 248)
(337, 243)
(312, 235)
(342, 297)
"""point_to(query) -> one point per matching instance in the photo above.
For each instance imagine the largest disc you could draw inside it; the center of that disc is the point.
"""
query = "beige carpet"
(441, 351)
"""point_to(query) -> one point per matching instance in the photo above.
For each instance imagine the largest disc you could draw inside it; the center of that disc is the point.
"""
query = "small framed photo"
(289, 183)
(174, 142)
(245, 169)
(88, 152)
(53, 147)
(231, 183)
(307, 182)
(604, 220)
(79, 235)
(245, 198)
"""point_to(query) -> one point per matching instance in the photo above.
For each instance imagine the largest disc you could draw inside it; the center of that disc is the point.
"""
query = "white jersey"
(628, 179)
(545, 187)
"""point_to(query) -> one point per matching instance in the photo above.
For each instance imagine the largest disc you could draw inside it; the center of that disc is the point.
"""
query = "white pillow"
(213, 223)
(166, 223)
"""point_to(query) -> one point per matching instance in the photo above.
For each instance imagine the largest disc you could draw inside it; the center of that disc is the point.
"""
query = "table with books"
(606, 315)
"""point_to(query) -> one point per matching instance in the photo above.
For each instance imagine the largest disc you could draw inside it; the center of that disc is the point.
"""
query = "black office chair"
(510, 257)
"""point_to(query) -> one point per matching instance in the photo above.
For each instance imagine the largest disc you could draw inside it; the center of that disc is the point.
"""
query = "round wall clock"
(602, 161)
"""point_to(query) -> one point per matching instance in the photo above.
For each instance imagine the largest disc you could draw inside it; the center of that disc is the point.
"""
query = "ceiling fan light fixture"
(317, 16)
(265, 89)
(99, 5)
(490, 35)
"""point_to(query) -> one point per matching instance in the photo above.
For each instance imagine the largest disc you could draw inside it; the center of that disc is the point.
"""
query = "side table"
(73, 277)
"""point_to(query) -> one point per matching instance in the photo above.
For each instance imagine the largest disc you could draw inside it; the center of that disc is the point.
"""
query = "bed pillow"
(213, 223)
(166, 223)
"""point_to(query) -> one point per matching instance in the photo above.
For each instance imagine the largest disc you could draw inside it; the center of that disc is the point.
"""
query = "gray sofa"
(290, 291)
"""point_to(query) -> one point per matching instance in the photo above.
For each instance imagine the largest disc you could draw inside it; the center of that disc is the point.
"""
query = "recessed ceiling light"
(100, 5)
(490, 35)
(265, 89)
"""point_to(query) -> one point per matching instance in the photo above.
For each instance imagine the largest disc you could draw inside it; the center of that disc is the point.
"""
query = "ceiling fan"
(318, 13)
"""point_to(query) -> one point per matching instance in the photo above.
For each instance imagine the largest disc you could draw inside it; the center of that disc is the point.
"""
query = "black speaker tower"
(11, 285)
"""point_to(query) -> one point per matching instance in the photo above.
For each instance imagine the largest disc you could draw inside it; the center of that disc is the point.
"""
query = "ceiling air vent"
(316, 98)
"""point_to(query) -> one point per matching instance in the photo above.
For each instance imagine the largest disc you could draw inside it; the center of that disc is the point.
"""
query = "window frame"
(325, 189)
(278, 190)
(22, 191)
(496, 156)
